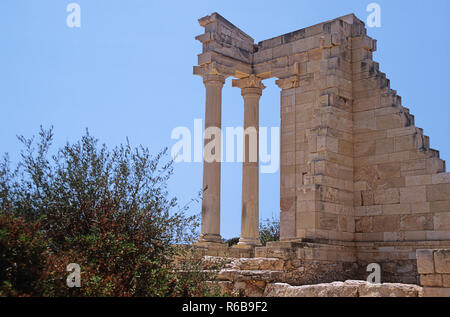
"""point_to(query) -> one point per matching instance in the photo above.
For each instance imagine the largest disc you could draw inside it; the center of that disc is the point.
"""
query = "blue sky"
(127, 72)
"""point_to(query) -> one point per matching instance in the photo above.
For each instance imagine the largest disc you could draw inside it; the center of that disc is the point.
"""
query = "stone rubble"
(256, 277)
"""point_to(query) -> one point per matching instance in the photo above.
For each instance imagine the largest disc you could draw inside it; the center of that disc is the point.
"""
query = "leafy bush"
(22, 254)
(107, 210)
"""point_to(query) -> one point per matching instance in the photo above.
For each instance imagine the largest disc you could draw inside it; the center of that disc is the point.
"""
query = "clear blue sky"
(127, 72)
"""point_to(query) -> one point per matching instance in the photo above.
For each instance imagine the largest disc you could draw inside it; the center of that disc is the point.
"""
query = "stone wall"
(434, 270)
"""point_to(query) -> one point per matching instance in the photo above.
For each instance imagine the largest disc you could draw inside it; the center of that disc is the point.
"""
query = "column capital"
(289, 82)
(214, 80)
(212, 73)
(250, 85)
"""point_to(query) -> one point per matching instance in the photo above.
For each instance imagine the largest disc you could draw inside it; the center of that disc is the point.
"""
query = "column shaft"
(251, 88)
(210, 227)
(250, 171)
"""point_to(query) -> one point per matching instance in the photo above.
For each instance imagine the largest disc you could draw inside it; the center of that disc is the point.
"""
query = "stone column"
(210, 228)
(251, 88)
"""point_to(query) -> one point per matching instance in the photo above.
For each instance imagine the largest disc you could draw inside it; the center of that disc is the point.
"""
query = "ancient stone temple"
(359, 181)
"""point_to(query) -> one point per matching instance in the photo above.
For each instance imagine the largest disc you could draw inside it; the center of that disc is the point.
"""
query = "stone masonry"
(434, 270)
(359, 181)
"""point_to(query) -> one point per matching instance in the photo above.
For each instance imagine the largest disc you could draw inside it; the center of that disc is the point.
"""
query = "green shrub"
(269, 230)
(22, 255)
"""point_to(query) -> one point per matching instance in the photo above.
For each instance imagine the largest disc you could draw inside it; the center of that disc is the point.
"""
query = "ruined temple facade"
(359, 181)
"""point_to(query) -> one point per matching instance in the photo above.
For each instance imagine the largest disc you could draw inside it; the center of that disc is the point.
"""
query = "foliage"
(107, 210)
(232, 241)
(22, 253)
(269, 230)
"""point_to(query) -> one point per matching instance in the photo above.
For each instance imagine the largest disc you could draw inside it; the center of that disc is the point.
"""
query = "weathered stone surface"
(335, 289)
(441, 221)
(250, 288)
(442, 261)
(413, 194)
(276, 290)
(436, 292)
(433, 280)
(389, 290)
(425, 261)
(254, 264)
(446, 280)
(343, 289)
(212, 262)
(416, 222)
(246, 275)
